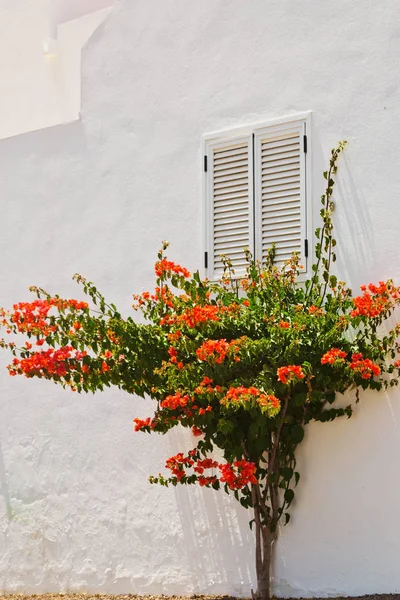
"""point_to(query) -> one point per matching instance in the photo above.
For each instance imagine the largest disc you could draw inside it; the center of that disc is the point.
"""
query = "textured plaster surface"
(97, 196)
(40, 60)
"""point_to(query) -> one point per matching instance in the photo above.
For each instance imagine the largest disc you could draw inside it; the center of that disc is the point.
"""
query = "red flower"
(251, 396)
(169, 268)
(332, 355)
(238, 475)
(48, 363)
(215, 351)
(290, 373)
(364, 367)
(375, 300)
(196, 431)
(176, 401)
(314, 310)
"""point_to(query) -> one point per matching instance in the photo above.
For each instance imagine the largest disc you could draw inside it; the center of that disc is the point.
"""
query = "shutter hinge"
(305, 144)
(206, 260)
(205, 163)
(306, 248)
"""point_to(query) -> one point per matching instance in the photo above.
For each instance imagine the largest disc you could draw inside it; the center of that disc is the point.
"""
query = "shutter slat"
(282, 182)
(222, 188)
(226, 155)
(269, 151)
(283, 162)
(236, 228)
(236, 166)
(276, 219)
(268, 157)
(278, 173)
(230, 220)
(234, 178)
(240, 210)
(273, 207)
(226, 202)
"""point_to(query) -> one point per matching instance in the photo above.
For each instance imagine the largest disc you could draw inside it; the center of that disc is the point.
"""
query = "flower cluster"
(206, 387)
(375, 300)
(48, 363)
(196, 315)
(215, 351)
(144, 423)
(162, 294)
(168, 268)
(364, 366)
(290, 373)
(177, 463)
(173, 353)
(176, 401)
(32, 317)
(332, 356)
(236, 476)
(250, 397)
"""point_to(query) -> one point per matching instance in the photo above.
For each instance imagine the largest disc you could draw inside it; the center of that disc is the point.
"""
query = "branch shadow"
(217, 538)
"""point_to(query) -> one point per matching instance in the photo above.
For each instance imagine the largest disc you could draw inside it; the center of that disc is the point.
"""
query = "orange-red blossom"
(31, 317)
(241, 395)
(364, 366)
(168, 268)
(236, 475)
(216, 350)
(376, 299)
(332, 355)
(290, 373)
(51, 362)
(191, 317)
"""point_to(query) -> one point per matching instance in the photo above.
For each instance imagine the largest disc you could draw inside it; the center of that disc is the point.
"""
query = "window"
(255, 191)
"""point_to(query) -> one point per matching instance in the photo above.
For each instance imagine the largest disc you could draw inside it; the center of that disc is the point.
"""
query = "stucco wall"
(40, 60)
(97, 196)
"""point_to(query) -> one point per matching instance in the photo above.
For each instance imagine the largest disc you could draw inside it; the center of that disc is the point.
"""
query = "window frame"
(251, 131)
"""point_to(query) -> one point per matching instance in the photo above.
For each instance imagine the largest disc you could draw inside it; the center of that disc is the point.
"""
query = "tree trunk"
(264, 552)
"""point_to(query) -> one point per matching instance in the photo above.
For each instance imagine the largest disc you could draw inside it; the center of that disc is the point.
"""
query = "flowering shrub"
(244, 364)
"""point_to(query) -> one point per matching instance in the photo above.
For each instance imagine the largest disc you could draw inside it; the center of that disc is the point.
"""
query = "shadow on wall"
(217, 537)
(353, 227)
(4, 485)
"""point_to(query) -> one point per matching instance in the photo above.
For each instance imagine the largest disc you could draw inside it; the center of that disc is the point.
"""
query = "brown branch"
(258, 531)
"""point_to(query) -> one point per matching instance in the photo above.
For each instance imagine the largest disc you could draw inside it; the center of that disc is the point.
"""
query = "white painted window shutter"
(229, 203)
(280, 193)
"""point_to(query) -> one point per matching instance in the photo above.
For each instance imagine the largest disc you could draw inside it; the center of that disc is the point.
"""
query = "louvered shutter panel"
(229, 204)
(280, 209)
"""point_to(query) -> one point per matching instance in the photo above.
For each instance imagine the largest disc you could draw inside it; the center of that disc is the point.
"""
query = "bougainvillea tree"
(245, 364)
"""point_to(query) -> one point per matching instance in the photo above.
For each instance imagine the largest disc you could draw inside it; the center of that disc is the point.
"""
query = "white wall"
(40, 60)
(97, 196)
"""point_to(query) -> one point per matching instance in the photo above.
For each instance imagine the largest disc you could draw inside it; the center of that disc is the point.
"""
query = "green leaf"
(287, 473)
(297, 434)
(288, 496)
